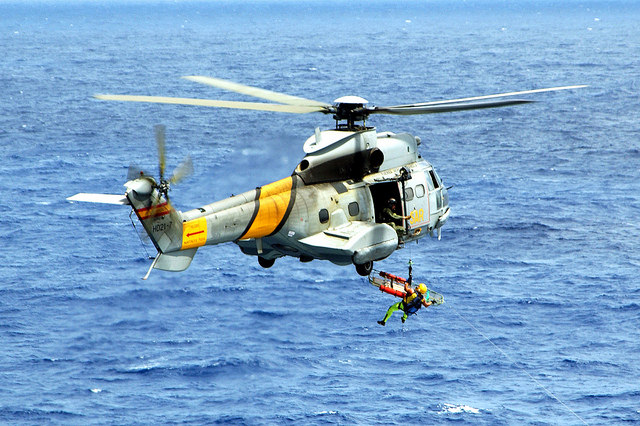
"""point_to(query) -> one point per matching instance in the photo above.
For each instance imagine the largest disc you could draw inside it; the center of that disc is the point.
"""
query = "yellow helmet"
(422, 288)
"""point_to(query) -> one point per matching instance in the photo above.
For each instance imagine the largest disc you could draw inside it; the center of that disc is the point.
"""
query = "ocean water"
(538, 263)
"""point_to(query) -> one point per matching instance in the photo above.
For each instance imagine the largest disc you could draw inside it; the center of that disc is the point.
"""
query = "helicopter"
(334, 206)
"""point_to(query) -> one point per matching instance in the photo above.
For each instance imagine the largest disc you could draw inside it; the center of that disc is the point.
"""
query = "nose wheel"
(364, 269)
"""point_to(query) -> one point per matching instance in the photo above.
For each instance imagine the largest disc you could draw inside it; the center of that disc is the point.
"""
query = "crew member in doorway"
(413, 300)
(390, 216)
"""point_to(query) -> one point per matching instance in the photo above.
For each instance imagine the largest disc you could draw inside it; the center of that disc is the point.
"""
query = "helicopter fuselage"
(331, 208)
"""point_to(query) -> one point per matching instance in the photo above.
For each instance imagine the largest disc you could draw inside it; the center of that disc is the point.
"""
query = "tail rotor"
(157, 202)
(181, 172)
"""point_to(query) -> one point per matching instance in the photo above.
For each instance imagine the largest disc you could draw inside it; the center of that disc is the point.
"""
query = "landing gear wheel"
(266, 263)
(364, 269)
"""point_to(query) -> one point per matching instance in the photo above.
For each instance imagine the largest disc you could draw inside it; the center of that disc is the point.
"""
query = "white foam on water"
(452, 408)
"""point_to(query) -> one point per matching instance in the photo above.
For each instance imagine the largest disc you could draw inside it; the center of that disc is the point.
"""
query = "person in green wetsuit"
(413, 300)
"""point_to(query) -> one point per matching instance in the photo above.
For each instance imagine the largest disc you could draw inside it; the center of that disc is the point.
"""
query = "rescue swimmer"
(411, 303)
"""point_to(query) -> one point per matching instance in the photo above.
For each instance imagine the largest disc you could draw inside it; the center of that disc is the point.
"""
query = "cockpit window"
(420, 191)
(408, 194)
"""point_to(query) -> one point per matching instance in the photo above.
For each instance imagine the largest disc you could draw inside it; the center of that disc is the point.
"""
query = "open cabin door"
(381, 194)
(420, 195)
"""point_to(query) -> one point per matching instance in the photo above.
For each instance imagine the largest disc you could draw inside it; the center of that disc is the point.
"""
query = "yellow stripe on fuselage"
(272, 207)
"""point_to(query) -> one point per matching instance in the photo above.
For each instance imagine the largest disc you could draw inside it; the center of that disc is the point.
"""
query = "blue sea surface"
(538, 263)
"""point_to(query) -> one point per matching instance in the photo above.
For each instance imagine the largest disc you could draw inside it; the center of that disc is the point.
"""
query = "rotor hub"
(350, 108)
(164, 187)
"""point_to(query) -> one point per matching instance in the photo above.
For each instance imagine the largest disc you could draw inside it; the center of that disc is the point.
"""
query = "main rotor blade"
(258, 106)
(255, 91)
(435, 109)
(160, 140)
(499, 95)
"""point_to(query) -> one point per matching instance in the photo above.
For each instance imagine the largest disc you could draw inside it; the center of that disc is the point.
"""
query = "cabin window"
(408, 194)
(420, 191)
(323, 215)
(435, 180)
(429, 182)
(354, 209)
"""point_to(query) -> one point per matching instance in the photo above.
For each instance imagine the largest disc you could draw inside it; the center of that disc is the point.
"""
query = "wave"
(20, 415)
(593, 397)
(590, 364)
(140, 296)
(542, 302)
(629, 307)
(268, 314)
(210, 369)
(226, 289)
(477, 225)
(326, 416)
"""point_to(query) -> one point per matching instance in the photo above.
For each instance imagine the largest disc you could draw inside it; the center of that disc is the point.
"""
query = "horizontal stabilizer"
(175, 261)
(100, 198)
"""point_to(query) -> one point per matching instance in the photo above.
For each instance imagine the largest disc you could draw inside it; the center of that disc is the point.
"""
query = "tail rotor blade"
(157, 206)
(135, 172)
(182, 171)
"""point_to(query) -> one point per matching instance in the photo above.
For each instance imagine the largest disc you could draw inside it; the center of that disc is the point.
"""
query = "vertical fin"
(160, 220)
